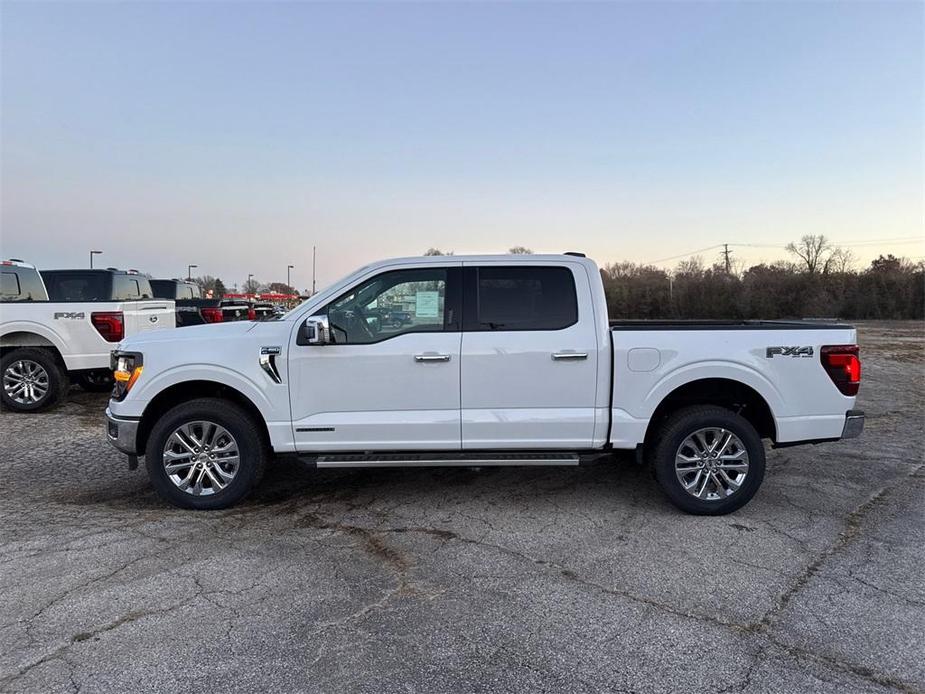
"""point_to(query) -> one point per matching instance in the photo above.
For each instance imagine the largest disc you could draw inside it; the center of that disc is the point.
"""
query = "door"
(390, 380)
(529, 357)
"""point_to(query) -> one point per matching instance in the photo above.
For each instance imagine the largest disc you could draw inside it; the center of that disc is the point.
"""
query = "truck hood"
(212, 331)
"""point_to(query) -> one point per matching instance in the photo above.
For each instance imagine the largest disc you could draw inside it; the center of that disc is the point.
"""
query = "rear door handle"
(429, 356)
(569, 355)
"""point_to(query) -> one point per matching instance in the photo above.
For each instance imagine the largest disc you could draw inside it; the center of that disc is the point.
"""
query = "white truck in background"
(504, 360)
(60, 325)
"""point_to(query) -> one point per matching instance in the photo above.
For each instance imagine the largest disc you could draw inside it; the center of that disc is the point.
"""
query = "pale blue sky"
(236, 135)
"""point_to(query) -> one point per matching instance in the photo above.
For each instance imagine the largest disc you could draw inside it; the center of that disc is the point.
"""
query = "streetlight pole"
(313, 271)
(93, 253)
(288, 268)
(189, 272)
(248, 284)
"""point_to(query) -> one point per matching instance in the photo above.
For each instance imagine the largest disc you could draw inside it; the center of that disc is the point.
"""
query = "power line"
(684, 255)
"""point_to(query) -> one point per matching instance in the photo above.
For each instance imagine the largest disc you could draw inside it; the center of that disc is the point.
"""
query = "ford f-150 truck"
(193, 309)
(62, 325)
(505, 360)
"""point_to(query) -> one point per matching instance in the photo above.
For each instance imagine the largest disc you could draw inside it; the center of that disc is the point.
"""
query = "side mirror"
(315, 331)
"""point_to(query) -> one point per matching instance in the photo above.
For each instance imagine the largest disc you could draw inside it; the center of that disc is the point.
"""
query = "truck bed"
(633, 324)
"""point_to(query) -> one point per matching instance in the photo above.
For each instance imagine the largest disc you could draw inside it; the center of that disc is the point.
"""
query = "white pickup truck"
(495, 360)
(62, 324)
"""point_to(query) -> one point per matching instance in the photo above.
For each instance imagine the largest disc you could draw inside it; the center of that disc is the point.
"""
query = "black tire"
(96, 381)
(57, 380)
(253, 452)
(684, 423)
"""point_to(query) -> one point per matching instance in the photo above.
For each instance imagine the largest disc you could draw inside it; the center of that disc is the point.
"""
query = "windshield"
(342, 282)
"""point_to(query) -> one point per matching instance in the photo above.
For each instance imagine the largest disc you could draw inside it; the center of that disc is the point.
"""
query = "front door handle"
(431, 357)
(569, 355)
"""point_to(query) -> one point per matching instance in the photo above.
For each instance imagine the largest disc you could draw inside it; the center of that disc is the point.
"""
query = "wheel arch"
(728, 393)
(15, 339)
(191, 390)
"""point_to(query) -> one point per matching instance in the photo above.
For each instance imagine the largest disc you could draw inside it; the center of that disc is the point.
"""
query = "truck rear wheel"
(32, 380)
(205, 454)
(708, 460)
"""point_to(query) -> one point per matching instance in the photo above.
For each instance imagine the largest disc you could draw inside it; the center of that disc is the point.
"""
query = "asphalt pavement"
(458, 580)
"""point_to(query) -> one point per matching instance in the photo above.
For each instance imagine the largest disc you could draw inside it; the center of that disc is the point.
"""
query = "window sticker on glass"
(427, 304)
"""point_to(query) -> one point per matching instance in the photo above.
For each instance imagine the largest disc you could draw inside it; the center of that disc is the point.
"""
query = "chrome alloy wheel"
(711, 464)
(25, 382)
(201, 458)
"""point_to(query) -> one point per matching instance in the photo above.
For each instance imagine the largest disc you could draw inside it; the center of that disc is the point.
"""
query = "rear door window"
(521, 298)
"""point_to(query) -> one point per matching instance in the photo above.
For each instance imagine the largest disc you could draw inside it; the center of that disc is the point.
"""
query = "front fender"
(146, 390)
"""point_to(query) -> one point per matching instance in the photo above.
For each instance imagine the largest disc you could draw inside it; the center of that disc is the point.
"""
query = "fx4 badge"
(789, 352)
(70, 316)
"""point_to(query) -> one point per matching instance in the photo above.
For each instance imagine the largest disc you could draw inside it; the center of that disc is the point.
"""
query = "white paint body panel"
(803, 400)
(516, 396)
(78, 342)
(499, 390)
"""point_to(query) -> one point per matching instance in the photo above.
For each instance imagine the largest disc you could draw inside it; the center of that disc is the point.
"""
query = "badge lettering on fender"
(789, 352)
(70, 316)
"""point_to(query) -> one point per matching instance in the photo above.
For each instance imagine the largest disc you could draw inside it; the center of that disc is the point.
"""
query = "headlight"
(126, 368)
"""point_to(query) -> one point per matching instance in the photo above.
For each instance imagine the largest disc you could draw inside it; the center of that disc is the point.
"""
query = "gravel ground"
(572, 579)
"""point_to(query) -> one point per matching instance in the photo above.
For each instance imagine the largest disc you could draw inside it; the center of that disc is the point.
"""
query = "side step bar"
(443, 459)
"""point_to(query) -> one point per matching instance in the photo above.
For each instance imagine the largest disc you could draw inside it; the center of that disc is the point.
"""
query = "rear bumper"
(122, 433)
(854, 424)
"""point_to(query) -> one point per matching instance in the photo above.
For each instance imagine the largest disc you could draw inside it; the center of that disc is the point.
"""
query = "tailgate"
(141, 316)
(233, 312)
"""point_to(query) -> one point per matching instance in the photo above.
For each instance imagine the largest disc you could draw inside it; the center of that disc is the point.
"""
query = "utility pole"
(313, 271)
(726, 253)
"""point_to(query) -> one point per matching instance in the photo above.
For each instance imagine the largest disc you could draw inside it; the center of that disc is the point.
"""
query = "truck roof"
(508, 258)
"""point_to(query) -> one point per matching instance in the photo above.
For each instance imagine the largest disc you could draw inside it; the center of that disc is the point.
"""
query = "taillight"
(109, 324)
(251, 314)
(843, 365)
(212, 315)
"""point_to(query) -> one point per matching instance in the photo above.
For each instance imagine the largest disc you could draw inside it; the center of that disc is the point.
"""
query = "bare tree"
(841, 260)
(251, 286)
(520, 250)
(814, 251)
(437, 251)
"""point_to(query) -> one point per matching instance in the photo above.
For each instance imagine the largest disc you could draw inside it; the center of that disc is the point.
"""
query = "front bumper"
(854, 424)
(122, 433)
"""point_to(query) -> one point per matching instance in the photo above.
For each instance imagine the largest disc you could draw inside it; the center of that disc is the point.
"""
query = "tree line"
(820, 283)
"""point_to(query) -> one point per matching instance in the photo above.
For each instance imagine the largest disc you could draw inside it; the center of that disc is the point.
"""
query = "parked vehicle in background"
(263, 310)
(193, 309)
(504, 360)
(62, 324)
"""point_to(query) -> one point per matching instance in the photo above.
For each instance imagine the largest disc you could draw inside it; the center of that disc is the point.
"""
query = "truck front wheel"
(205, 454)
(708, 460)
